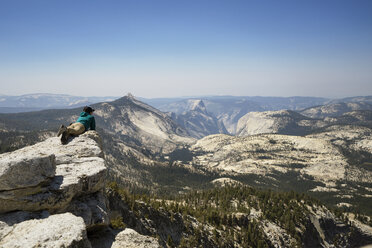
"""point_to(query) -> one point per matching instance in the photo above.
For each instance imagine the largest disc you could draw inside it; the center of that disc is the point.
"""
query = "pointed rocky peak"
(196, 105)
(130, 96)
(130, 101)
(125, 99)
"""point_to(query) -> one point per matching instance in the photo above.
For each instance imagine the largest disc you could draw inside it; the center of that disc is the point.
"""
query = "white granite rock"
(129, 238)
(9, 220)
(51, 178)
(92, 208)
(60, 230)
(80, 170)
(21, 169)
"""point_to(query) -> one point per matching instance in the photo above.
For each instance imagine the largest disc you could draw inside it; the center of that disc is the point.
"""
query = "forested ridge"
(239, 216)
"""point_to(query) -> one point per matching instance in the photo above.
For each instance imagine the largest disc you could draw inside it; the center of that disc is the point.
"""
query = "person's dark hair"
(88, 109)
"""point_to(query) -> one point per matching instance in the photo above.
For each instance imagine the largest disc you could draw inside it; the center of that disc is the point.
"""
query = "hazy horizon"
(175, 97)
(170, 48)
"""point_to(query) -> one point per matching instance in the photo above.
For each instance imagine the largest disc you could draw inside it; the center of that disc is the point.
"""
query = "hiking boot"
(64, 137)
(62, 128)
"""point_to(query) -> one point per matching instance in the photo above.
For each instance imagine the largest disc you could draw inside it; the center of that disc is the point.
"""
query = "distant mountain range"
(335, 109)
(35, 102)
(136, 122)
(233, 115)
(176, 105)
(323, 149)
(213, 114)
(228, 114)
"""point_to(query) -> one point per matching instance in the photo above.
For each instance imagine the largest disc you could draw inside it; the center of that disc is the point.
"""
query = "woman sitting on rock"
(85, 122)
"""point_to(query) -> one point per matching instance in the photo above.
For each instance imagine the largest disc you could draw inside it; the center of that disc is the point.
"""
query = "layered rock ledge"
(48, 175)
(59, 230)
(51, 194)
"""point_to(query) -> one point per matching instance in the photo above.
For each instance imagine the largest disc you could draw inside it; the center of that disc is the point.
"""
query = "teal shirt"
(87, 120)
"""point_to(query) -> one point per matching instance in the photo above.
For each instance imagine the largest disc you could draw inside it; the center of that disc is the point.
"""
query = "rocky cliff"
(53, 195)
(198, 121)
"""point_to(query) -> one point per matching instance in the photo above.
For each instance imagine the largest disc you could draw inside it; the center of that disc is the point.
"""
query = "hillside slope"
(137, 124)
(333, 164)
(238, 216)
(335, 109)
(282, 122)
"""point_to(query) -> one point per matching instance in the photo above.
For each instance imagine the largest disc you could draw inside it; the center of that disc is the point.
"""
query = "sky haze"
(167, 48)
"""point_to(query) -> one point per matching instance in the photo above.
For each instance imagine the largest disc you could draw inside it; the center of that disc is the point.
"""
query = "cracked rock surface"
(51, 194)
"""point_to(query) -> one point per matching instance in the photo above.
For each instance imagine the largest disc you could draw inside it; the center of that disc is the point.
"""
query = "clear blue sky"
(168, 48)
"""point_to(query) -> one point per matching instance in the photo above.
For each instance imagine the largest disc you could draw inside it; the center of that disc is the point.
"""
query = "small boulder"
(131, 239)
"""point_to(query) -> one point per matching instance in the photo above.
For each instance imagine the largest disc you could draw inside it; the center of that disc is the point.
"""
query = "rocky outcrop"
(132, 239)
(12, 166)
(198, 121)
(129, 238)
(324, 228)
(271, 154)
(59, 230)
(48, 176)
(223, 181)
(51, 194)
(281, 122)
